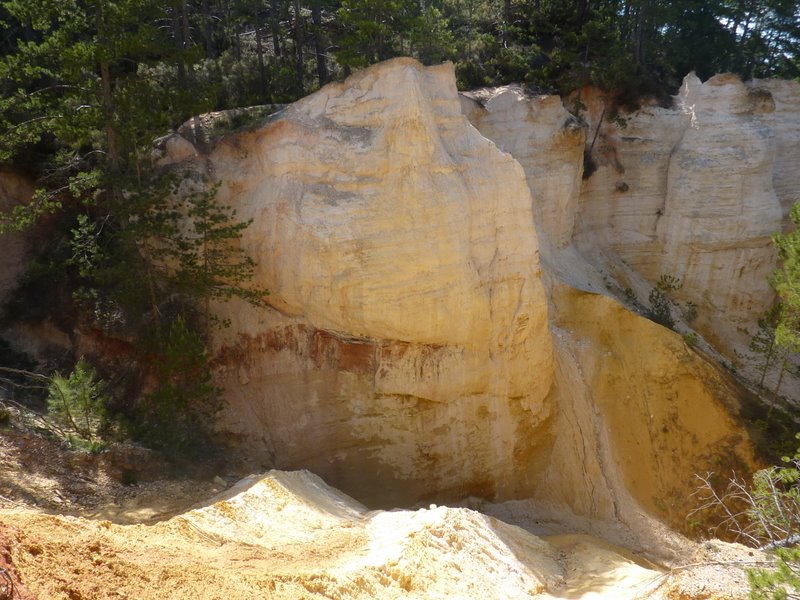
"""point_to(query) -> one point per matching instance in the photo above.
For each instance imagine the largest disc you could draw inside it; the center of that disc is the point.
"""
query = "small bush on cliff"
(786, 280)
(691, 339)
(660, 302)
(768, 352)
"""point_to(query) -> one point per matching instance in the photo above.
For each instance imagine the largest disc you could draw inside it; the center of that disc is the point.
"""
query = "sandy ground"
(70, 530)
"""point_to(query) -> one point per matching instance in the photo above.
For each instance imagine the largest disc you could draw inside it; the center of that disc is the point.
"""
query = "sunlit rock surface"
(409, 321)
(786, 131)
(415, 349)
(547, 141)
(721, 210)
(638, 415)
(685, 191)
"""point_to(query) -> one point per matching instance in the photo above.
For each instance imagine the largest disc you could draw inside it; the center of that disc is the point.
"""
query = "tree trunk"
(780, 377)
(506, 21)
(639, 35)
(582, 9)
(274, 23)
(108, 114)
(237, 43)
(185, 23)
(319, 49)
(262, 71)
(744, 62)
(178, 31)
(767, 362)
(298, 48)
(208, 31)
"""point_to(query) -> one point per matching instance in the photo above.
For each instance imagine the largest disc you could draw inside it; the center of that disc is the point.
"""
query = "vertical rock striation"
(547, 141)
(720, 207)
(786, 131)
(409, 322)
(415, 349)
(684, 191)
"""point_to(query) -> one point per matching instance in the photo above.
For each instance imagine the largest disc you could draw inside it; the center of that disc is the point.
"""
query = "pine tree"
(787, 285)
(90, 89)
(764, 342)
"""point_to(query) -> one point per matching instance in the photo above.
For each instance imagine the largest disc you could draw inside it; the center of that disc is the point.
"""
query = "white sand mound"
(439, 552)
(287, 536)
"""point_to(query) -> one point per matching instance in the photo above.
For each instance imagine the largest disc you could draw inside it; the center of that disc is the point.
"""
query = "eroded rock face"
(415, 349)
(399, 249)
(547, 141)
(636, 420)
(786, 131)
(684, 191)
(720, 209)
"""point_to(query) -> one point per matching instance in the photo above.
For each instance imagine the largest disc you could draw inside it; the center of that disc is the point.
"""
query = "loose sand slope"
(288, 535)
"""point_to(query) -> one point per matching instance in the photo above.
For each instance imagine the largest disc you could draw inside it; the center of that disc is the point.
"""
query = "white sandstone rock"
(684, 191)
(399, 248)
(407, 356)
(546, 140)
(786, 131)
(721, 209)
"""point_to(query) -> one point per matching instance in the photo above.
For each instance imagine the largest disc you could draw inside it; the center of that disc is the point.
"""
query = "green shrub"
(77, 403)
(777, 583)
(689, 312)
(691, 339)
(775, 509)
(660, 302)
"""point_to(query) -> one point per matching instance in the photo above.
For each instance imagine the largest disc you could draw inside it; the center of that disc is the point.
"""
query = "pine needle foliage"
(77, 403)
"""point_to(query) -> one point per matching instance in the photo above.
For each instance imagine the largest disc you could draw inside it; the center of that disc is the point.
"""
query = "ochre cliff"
(409, 321)
(687, 191)
(636, 420)
(447, 323)
(416, 350)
